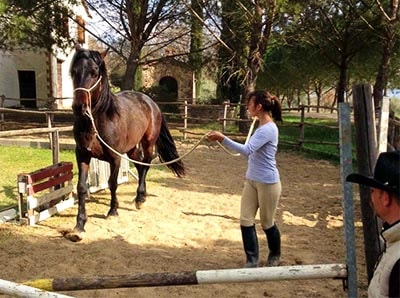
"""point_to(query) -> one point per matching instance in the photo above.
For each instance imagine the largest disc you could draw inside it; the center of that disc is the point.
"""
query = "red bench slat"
(50, 183)
(48, 172)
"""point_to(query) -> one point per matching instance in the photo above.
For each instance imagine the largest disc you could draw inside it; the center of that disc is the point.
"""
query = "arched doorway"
(169, 93)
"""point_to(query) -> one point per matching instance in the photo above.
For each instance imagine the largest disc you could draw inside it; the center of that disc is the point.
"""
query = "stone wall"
(207, 113)
(168, 67)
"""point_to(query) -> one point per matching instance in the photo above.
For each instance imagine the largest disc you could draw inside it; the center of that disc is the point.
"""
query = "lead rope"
(89, 114)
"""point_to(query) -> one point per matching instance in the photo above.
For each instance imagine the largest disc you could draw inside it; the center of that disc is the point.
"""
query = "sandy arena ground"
(192, 224)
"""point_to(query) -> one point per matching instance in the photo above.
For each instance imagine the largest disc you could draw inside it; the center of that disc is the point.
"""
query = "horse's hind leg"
(142, 173)
(141, 189)
(113, 185)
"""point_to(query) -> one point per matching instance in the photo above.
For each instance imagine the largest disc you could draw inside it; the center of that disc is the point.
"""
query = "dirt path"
(192, 224)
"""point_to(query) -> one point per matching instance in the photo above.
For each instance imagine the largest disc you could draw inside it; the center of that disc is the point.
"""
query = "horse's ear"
(104, 53)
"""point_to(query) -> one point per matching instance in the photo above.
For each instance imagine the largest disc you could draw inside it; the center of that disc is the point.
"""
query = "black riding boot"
(274, 245)
(250, 245)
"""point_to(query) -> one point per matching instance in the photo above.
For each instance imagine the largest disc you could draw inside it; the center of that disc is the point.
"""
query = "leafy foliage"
(40, 24)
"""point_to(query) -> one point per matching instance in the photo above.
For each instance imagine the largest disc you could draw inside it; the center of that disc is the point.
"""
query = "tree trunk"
(341, 87)
(248, 87)
(196, 43)
(260, 32)
(390, 27)
(129, 76)
(382, 74)
(318, 92)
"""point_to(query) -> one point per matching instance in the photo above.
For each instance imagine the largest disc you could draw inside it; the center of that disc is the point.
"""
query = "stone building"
(176, 76)
(38, 78)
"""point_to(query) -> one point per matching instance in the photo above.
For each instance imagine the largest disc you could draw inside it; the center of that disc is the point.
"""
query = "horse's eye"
(95, 72)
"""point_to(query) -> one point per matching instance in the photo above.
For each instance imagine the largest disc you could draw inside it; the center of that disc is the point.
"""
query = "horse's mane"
(106, 100)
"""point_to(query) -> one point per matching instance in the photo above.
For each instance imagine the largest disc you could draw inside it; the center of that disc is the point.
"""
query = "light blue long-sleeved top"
(260, 150)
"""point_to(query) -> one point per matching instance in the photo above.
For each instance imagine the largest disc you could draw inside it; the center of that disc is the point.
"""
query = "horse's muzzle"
(79, 109)
(80, 103)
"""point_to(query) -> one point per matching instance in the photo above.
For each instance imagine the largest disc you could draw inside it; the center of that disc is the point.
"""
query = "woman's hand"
(215, 136)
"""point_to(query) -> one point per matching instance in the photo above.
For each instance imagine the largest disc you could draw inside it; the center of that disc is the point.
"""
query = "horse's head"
(87, 72)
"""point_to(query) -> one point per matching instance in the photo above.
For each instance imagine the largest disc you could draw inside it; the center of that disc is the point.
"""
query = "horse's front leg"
(113, 185)
(82, 190)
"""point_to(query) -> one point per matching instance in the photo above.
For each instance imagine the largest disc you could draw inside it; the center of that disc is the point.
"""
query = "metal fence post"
(347, 190)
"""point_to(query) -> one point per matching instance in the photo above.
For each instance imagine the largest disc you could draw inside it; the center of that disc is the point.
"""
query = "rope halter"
(89, 103)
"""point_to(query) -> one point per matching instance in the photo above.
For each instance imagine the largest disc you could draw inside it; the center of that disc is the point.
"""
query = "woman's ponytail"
(276, 109)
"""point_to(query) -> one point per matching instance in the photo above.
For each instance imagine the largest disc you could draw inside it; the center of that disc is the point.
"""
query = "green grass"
(17, 160)
(316, 130)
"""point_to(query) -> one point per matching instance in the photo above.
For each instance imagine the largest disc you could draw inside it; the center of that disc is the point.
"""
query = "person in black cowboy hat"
(385, 200)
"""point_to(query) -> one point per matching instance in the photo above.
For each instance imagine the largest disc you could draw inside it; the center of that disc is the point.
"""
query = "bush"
(395, 106)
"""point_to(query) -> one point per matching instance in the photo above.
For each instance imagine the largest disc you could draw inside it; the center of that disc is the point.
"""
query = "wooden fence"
(227, 114)
(191, 116)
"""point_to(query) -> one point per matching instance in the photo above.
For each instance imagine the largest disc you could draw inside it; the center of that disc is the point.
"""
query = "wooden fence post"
(49, 125)
(185, 119)
(2, 99)
(226, 105)
(364, 121)
(302, 126)
(55, 146)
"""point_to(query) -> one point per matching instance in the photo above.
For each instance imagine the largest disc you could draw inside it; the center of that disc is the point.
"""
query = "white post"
(12, 288)
(226, 103)
(383, 125)
(185, 119)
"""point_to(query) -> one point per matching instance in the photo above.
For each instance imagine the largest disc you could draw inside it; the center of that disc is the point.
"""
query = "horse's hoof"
(139, 204)
(74, 236)
(112, 213)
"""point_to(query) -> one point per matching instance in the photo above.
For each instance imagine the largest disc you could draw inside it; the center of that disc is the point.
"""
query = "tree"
(196, 42)
(141, 32)
(336, 30)
(388, 33)
(295, 69)
(246, 29)
(232, 51)
(39, 24)
(245, 32)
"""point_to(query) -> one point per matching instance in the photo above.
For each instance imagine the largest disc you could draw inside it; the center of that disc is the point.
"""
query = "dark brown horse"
(128, 122)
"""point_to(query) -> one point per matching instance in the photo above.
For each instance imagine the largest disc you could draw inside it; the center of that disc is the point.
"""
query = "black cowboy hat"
(386, 173)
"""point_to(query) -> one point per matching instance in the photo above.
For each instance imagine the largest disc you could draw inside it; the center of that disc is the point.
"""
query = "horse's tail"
(167, 150)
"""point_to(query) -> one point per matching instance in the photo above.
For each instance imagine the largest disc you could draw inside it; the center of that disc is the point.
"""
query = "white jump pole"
(272, 273)
(18, 290)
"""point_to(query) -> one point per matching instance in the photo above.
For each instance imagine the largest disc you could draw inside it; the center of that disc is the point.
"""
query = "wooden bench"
(47, 191)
